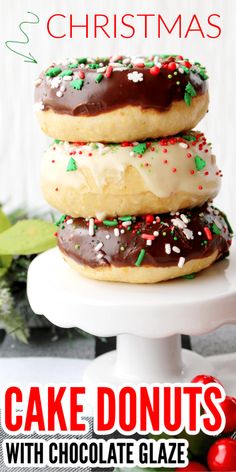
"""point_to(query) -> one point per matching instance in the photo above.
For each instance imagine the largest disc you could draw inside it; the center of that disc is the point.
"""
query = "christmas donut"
(130, 178)
(121, 98)
(145, 249)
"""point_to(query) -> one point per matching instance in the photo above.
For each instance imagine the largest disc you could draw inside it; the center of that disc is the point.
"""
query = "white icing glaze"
(164, 169)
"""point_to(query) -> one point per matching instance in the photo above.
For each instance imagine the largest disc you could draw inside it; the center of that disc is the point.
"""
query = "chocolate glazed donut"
(73, 96)
(146, 249)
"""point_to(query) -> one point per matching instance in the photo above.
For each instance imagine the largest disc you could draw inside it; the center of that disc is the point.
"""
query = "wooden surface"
(22, 142)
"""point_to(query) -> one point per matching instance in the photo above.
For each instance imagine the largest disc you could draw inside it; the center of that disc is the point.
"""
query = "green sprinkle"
(93, 66)
(110, 222)
(140, 258)
(125, 218)
(82, 60)
(73, 66)
(57, 141)
(99, 78)
(203, 74)
(185, 69)
(77, 84)
(199, 163)
(149, 64)
(175, 238)
(66, 72)
(187, 99)
(61, 220)
(189, 137)
(189, 276)
(72, 166)
(140, 148)
(215, 229)
(53, 72)
(190, 89)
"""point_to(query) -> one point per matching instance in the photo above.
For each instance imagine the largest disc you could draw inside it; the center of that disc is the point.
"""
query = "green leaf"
(27, 237)
(5, 261)
(4, 221)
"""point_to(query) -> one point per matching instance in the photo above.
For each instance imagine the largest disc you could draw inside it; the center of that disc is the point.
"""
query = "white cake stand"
(147, 319)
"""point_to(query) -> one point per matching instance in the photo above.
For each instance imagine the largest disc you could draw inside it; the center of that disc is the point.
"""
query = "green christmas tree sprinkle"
(140, 148)
(77, 84)
(53, 72)
(72, 166)
(199, 163)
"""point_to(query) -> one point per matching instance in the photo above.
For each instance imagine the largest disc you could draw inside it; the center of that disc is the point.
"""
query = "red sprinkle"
(189, 154)
(172, 66)
(53, 161)
(206, 173)
(56, 189)
(200, 187)
(165, 161)
(149, 219)
(154, 70)
(174, 169)
(125, 144)
(192, 172)
(208, 233)
(187, 64)
(141, 64)
(148, 236)
(108, 72)
(164, 150)
(81, 74)
(55, 234)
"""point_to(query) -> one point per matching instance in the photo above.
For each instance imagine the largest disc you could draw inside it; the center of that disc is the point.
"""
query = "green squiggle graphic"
(28, 58)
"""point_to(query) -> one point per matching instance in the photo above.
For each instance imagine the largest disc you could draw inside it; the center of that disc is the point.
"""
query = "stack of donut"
(133, 181)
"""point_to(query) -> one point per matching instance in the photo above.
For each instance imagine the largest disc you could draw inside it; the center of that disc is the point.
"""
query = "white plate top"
(104, 308)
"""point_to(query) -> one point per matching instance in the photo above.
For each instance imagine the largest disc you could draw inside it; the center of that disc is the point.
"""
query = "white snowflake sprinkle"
(135, 76)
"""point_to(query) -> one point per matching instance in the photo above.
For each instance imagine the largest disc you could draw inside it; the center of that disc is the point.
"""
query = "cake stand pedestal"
(147, 319)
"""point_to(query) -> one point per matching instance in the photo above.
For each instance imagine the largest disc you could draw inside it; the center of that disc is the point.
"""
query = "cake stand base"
(139, 359)
(147, 319)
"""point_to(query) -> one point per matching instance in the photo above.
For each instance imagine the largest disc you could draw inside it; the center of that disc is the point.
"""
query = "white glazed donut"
(132, 178)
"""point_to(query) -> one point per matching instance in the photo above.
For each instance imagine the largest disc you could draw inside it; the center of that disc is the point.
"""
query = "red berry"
(221, 456)
(205, 379)
(149, 219)
(172, 66)
(193, 466)
(154, 70)
(229, 408)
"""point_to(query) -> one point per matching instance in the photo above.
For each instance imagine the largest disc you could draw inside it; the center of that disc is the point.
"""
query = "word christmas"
(147, 25)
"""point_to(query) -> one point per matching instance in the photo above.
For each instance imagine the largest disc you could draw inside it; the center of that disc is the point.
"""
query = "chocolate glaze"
(154, 91)
(210, 232)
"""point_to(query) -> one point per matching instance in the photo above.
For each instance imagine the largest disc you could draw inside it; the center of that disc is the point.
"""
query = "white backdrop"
(22, 142)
